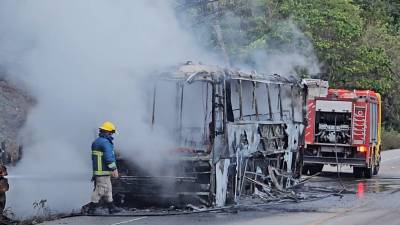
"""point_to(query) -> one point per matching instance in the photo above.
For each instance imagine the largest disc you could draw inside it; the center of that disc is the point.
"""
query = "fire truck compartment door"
(333, 106)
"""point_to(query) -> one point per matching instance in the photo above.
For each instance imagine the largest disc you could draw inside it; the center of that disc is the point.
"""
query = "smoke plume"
(83, 61)
(86, 62)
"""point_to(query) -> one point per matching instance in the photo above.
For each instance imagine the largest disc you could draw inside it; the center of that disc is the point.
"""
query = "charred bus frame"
(255, 129)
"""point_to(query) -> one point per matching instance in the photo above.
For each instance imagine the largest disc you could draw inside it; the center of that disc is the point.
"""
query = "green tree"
(357, 43)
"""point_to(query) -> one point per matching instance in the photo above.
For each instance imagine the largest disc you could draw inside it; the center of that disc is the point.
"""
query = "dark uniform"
(104, 166)
(103, 158)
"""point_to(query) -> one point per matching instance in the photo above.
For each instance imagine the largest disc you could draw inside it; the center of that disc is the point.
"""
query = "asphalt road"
(373, 201)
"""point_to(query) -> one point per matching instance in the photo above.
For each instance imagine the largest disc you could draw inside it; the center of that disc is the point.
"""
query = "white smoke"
(288, 57)
(82, 62)
(258, 38)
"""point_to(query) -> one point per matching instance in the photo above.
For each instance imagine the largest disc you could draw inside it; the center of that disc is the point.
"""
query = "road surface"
(373, 201)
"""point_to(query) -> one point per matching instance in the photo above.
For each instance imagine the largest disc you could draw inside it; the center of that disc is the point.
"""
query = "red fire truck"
(344, 128)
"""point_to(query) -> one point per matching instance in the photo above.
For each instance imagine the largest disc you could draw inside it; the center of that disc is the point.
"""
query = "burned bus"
(231, 130)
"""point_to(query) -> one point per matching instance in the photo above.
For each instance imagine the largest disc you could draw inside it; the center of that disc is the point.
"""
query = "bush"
(390, 139)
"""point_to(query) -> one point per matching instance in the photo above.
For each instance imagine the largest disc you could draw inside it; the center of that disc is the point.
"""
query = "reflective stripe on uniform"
(98, 153)
(101, 173)
(99, 170)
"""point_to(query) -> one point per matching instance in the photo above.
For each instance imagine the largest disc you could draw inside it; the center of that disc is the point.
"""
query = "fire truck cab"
(344, 128)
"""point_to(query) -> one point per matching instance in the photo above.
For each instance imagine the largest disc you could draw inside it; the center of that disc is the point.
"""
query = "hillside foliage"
(353, 44)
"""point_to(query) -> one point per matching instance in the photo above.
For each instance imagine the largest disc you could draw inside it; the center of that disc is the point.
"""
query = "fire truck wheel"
(368, 172)
(376, 167)
(358, 172)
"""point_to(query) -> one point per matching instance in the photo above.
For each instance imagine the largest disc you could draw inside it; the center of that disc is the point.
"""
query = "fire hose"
(337, 162)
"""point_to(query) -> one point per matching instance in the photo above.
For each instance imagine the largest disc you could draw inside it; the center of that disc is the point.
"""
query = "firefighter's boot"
(112, 208)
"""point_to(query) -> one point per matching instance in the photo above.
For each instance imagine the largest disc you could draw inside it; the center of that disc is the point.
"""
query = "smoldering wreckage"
(243, 139)
(238, 135)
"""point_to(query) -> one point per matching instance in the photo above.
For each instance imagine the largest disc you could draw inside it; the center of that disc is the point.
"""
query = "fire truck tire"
(368, 172)
(358, 172)
(377, 166)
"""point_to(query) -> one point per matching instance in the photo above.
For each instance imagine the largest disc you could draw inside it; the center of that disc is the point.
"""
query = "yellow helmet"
(108, 126)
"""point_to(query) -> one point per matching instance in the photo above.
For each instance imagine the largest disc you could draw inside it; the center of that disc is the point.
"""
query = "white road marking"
(128, 221)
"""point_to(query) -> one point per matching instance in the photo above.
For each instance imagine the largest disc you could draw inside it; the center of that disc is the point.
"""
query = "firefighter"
(104, 167)
(3, 188)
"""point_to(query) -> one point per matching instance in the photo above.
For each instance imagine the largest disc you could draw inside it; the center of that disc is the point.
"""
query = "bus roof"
(197, 72)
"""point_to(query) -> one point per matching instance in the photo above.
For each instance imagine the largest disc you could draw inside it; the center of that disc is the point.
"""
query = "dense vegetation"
(355, 44)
